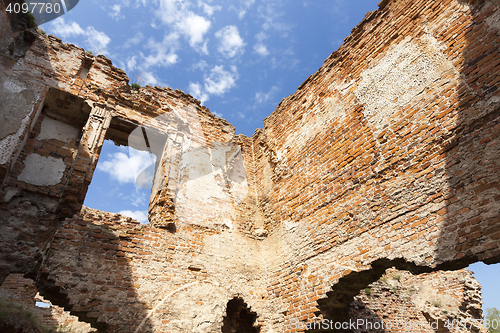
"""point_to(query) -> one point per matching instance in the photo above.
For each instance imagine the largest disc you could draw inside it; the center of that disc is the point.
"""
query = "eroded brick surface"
(387, 156)
(19, 290)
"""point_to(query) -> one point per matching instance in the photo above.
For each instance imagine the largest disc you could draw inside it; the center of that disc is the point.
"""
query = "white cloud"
(115, 11)
(97, 41)
(194, 27)
(126, 168)
(131, 63)
(263, 97)
(148, 78)
(134, 40)
(177, 15)
(143, 2)
(139, 198)
(141, 216)
(196, 91)
(209, 10)
(163, 53)
(272, 14)
(245, 5)
(220, 81)
(261, 49)
(62, 29)
(261, 36)
(201, 65)
(230, 41)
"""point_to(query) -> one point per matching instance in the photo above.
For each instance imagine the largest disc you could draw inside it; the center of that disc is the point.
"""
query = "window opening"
(122, 181)
(124, 173)
(42, 305)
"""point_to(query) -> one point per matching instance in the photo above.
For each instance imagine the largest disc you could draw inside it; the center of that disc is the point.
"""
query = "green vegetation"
(64, 329)
(15, 316)
(396, 277)
(492, 320)
(383, 279)
(368, 291)
(437, 303)
(31, 20)
(136, 86)
(89, 52)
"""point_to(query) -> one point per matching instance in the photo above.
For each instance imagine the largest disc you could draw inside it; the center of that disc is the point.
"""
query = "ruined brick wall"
(51, 86)
(122, 276)
(445, 300)
(20, 291)
(387, 156)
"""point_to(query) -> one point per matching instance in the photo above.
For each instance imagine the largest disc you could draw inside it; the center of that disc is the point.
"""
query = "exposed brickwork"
(376, 166)
(19, 290)
(443, 299)
(387, 156)
(137, 276)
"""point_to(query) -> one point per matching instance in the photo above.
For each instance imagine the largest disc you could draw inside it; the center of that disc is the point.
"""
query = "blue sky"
(239, 57)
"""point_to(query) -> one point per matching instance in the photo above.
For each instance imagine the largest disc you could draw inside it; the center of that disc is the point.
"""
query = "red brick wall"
(390, 151)
(17, 290)
(388, 155)
(116, 273)
(443, 299)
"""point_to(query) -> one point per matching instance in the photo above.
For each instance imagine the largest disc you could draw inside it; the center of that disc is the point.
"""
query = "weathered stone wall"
(442, 301)
(387, 156)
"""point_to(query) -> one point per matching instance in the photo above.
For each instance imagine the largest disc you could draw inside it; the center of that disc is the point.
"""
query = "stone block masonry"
(387, 158)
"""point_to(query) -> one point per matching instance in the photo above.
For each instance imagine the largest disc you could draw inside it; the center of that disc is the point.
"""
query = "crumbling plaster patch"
(494, 20)
(8, 144)
(206, 180)
(53, 129)
(399, 77)
(15, 98)
(203, 313)
(17, 102)
(42, 171)
(319, 113)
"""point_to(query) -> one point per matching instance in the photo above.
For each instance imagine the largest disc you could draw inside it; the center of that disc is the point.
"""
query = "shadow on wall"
(87, 272)
(239, 318)
(19, 313)
(78, 263)
(470, 213)
(455, 209)
(26, 225)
